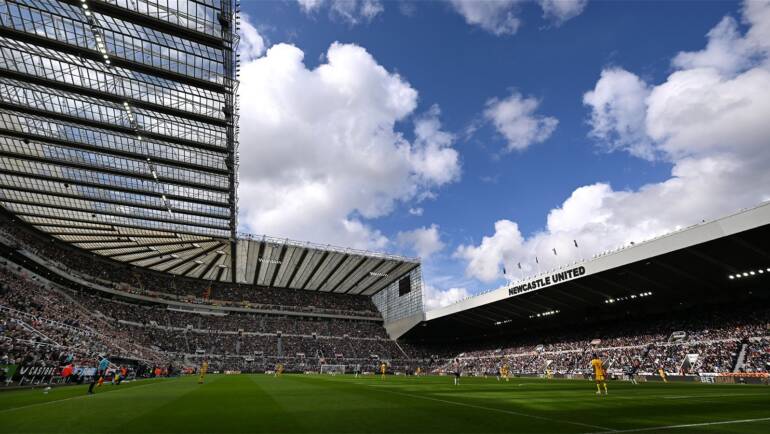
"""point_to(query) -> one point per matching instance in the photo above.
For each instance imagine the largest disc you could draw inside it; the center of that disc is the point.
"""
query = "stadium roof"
(284, 263)
(118, 123)
(118, 134)
(695, 263)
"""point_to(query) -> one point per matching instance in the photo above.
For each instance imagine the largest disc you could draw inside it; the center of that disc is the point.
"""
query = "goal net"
(333, 369)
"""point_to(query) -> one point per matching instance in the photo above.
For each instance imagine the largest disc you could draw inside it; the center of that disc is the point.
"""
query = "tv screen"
(404, 286)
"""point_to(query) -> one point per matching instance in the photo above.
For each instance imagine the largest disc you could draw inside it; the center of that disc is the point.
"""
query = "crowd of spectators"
(39, 324)
(757, 355)
(716, 337)
(43, 322)
(124, 277)
(161, 315)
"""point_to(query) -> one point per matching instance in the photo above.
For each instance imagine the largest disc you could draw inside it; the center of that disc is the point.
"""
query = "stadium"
(133, 300)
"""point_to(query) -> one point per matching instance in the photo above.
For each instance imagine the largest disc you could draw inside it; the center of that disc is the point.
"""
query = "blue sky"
(460, 69)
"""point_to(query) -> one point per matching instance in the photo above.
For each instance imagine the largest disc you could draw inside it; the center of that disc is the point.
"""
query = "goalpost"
(332, 369)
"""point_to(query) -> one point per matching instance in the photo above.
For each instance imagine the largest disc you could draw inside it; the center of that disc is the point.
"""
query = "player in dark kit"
(631, 370)
(457, 372)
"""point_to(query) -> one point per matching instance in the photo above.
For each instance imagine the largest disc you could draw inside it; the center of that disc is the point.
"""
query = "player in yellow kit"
(383, 368)
(202, 371)
(600, 375)
(278, 369)
(505, 372)
(663, 375)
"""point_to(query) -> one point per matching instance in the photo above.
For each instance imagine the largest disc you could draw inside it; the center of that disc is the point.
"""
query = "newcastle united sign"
(551, 279)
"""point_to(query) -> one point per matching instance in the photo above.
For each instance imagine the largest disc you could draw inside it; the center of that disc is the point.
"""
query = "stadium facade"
(119, 135)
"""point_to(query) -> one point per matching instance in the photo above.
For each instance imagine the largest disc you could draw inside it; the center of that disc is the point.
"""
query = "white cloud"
(501, 17)
(560, 11)
(407, 8)
(618, 104)
(416, 211)
(708, 119)
(351, 11)
(727, 50)
(486, 259)
(495, 16)
(319, 149)
(434, 298)
(423, 241)
(371, 8)
(434, 158)
(309, 6)
(514, 117)
(252, 44)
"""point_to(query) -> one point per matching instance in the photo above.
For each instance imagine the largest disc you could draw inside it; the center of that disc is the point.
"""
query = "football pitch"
(343, 404)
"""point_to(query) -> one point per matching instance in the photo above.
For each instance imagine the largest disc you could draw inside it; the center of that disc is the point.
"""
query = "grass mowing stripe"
(686, 425)
(481, 407)
(269, 404)
(215, 406)
(298, 404)
(5, 410)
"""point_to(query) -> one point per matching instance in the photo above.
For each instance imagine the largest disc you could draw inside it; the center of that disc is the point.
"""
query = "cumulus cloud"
(351, 11)
(416, 211)
(309, 6)
(252, 44)
(434, 298)
(708, 119)
(514, 117)
(618, 112)
(319, 150)
(501, 17)
(727, 50)
(498, 17)
(424, 241)
(434, 158)
(484, 260)
(559, 11)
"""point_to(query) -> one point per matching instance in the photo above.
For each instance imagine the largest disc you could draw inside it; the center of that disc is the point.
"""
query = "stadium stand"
(88, 324)
(58, 302)
(42, 323)
(155, 284)
(301, 329)
(715, 335)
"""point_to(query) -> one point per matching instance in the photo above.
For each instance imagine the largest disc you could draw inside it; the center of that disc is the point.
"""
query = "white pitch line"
(498, 410)
(724, 395)
(71, 398)
(686, 425)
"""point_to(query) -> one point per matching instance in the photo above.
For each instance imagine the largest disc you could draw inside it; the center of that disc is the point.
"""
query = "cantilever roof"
(118, 134)
(285, 263)
(118, 126)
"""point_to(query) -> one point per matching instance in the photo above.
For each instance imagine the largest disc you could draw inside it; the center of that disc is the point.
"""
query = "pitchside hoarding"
(35, 373)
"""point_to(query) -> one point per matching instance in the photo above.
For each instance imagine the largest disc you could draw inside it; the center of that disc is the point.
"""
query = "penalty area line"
(686, 425)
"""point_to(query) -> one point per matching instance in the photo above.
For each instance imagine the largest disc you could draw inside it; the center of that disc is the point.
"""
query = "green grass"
(343, 404)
